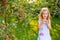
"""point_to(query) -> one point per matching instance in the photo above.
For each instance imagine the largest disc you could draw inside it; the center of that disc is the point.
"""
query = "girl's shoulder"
(40, 21)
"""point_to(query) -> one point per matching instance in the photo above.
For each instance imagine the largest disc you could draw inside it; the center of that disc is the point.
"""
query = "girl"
(44, 25)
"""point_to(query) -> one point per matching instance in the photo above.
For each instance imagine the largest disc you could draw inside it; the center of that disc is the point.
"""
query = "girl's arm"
(40, 24)
(49, 24)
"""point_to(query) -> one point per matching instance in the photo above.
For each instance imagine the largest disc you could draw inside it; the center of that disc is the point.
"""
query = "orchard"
(19, 19)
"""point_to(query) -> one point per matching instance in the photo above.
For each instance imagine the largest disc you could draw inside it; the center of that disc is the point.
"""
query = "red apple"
(4, 3)
(0, 13)
(20, 13)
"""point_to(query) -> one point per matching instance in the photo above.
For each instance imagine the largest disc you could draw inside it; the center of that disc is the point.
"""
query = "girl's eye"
(46, 13)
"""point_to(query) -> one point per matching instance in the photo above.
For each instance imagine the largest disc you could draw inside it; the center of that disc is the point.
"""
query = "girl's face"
(45, 14)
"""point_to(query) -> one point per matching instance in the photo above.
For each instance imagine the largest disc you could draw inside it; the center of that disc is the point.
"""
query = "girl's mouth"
(44, 16)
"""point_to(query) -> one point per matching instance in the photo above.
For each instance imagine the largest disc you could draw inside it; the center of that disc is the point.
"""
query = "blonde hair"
(41, 13)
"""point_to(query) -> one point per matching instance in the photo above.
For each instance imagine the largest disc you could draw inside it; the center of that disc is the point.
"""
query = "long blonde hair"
(41, 13)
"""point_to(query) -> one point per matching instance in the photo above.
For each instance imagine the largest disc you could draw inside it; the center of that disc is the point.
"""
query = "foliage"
(19, 18)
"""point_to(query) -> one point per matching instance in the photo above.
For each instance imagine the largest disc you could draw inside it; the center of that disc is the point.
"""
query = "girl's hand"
(45, 21)
(48, 23)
